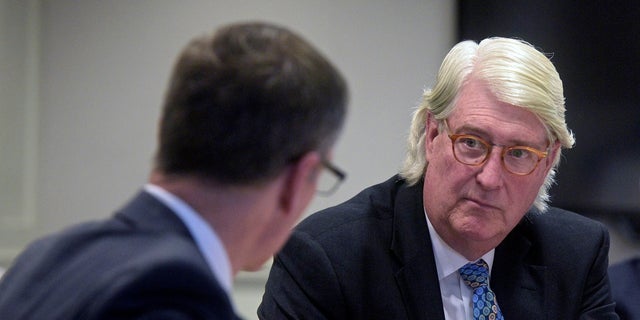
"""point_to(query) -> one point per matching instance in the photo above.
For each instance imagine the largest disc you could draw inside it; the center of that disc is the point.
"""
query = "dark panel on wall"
(595, 46)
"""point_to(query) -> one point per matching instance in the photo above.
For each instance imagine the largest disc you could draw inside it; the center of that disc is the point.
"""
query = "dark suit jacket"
(625, 285)
(371, 258)
(140, 264)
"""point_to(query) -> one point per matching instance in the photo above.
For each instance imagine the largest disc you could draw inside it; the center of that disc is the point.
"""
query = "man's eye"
(471, 143)
(519, 153)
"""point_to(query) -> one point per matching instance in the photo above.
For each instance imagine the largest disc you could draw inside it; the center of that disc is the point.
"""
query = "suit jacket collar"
(146, 212)
(417, 276)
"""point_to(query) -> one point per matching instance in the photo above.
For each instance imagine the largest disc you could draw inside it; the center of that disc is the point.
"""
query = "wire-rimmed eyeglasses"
(328, 182)
(474, 151)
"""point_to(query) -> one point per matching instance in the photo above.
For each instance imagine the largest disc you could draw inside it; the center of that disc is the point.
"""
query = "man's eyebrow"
(484, 134)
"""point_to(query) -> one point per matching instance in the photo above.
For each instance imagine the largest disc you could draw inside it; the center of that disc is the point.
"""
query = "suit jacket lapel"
(518, 284)
(417, 276)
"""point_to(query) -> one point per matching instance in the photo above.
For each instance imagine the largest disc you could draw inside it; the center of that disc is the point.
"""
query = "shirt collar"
(447, 259)
(205, 237)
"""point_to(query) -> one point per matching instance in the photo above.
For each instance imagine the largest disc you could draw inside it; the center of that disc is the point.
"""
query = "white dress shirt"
(208, 242)
(456, 296)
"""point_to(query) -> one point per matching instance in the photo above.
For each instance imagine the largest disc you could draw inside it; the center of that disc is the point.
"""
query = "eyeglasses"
(474, 151)
(328, 182)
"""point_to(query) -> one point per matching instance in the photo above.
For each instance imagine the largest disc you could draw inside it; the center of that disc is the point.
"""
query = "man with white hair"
(465, 230)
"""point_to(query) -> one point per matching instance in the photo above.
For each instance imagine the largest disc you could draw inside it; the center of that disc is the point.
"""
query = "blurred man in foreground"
(229, 183)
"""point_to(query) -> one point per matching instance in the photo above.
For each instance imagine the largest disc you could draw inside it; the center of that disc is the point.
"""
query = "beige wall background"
(81, 84)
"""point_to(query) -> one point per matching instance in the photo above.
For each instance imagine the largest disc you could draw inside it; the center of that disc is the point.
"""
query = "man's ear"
(431, 132)
(551, 157)
(300, 183)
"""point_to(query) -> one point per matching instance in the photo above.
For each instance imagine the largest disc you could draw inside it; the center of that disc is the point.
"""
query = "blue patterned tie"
(476, 276)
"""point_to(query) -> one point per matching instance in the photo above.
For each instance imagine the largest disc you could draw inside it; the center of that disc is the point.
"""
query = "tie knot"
(475, 274)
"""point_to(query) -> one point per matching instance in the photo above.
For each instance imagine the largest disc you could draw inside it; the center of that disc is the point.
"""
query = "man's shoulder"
(104, 248)
(374, 203)
(563, 232)
(98, 260)
(561, 220)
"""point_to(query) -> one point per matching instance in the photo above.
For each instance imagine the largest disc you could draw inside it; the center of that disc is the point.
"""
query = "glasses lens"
(329, 178)
(519, 160)
(469, 149)
(327, 182)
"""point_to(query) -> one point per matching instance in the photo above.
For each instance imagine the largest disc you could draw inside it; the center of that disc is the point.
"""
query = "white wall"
(18, 124)
(105, 65)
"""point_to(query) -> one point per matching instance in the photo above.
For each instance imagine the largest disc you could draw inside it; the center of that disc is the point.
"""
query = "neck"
(472, 252)
(471, 249)
(229, 210)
